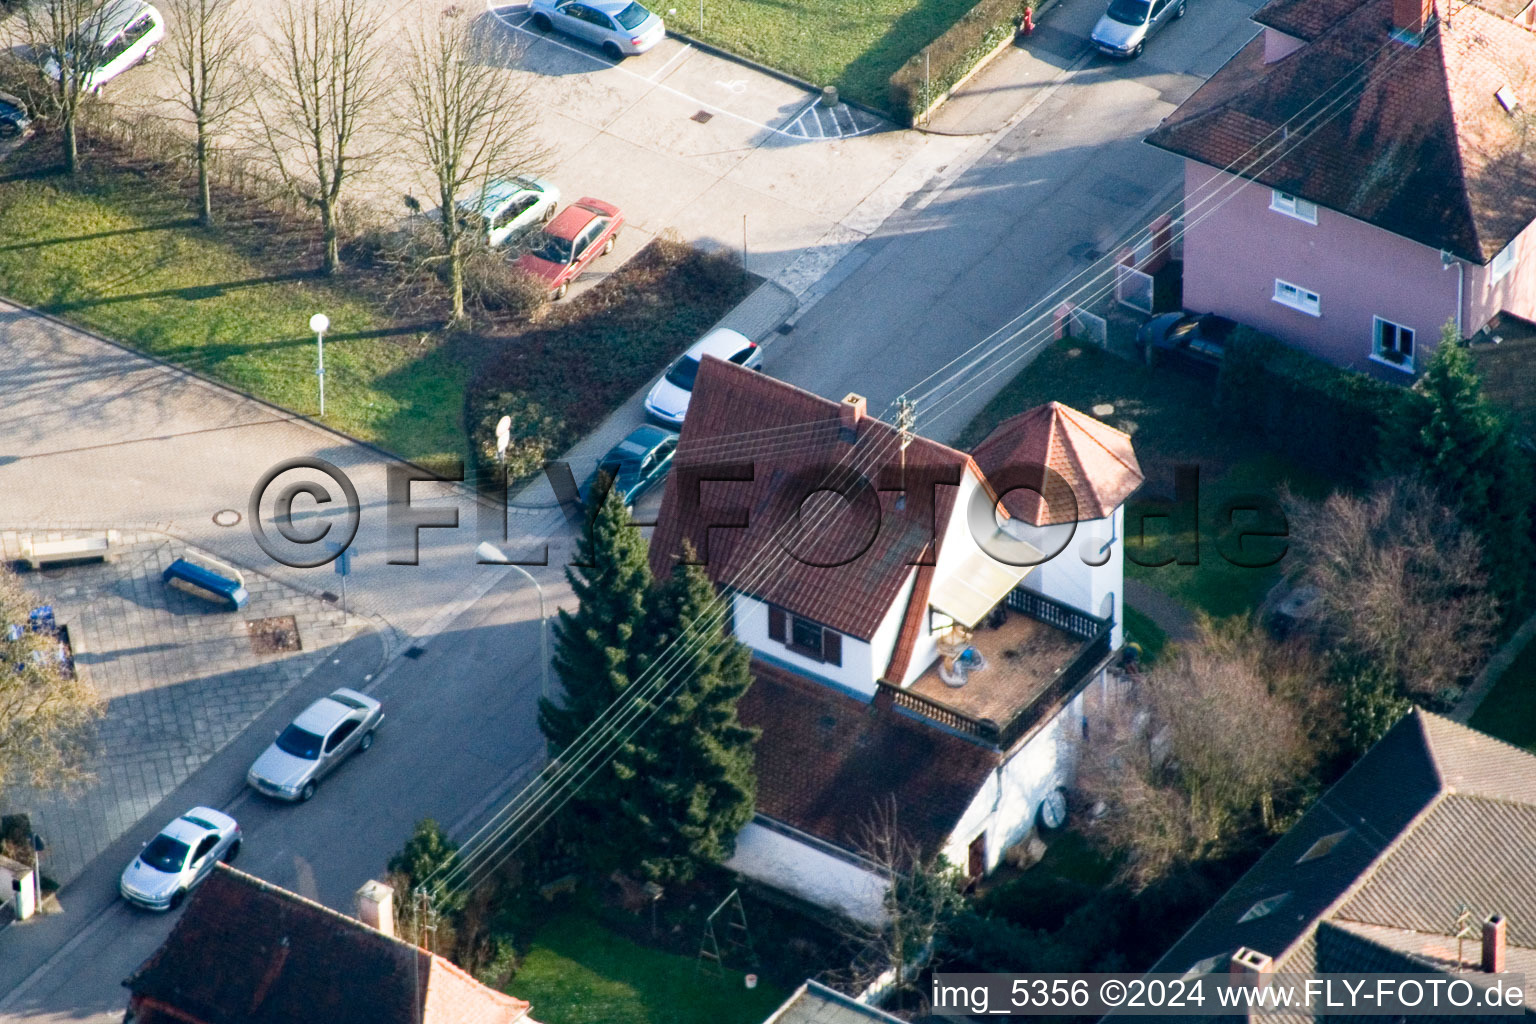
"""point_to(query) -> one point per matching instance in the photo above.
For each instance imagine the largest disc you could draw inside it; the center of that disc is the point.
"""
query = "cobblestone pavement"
(180, 676)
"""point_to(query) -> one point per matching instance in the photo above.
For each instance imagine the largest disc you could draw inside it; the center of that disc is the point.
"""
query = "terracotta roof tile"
(847, 566)
(825, 760)
(1415, 141)
(246, 952)
(1093, 466)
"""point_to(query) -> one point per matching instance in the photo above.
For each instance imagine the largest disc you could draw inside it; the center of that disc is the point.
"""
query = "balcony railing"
(1092, 630)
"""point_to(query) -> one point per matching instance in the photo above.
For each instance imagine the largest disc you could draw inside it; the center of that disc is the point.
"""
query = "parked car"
(634, 465)
(617, 27)
(582, 232)
(174, 862)
(119, 35)
(509, 208)
(668, 401)
(1200, 337)
(317, 741)
(14, 119)
(1126, 26)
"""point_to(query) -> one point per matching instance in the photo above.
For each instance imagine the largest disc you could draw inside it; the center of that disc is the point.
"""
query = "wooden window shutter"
(831, 647)
(776, 625)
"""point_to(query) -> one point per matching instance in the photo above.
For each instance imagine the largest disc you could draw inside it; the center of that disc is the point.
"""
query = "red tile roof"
(825, 760)
(848, 568)
(246, 952)
(1415, 143)
(1093, 466)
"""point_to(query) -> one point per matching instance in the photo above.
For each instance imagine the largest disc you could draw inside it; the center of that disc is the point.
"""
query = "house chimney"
(1411, 17)
(376, 906)
(1493, 944)
(1250, 961)
(852, 409)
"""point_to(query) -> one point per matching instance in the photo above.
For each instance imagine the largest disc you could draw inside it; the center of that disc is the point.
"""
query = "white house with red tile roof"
(912, 638)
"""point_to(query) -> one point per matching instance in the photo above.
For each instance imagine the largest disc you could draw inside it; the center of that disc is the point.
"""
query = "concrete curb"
(783, 76)
(919, 121)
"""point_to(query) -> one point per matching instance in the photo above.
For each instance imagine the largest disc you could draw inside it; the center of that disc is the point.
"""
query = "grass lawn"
(117, 252)
(578, 972)
(853, 44)
(1509, 710)
(1147, 633)
(1169, 415)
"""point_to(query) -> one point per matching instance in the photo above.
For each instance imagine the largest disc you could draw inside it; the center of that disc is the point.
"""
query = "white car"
(509, 208)
(617, 27)
(317, 741)
(668, 401)
(119, 35)
(174, 862)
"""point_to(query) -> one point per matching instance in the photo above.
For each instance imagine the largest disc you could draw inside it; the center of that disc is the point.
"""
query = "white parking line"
(680, 53)
(505, 14)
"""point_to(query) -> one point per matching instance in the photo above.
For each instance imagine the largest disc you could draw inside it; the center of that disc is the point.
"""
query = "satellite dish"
(319, 323)
(503, 435)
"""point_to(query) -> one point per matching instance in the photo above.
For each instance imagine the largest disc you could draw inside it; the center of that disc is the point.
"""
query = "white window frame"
(1406, 365)
(1505, 261)
(1292, 206)
(1303, 300)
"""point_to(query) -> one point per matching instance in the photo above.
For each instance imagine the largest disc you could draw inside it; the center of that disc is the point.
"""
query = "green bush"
(1325, 417)
(936, 68)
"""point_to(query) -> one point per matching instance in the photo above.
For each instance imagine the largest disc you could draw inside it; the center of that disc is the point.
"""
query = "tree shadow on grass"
(865, 77)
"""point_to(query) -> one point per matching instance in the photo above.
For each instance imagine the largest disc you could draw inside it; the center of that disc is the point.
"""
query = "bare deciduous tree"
(45, 711)
(1232, 724)
(322, 99)
(1400, 583)
(922, 897)
(470, 118)
(64, 43)
(207, 39)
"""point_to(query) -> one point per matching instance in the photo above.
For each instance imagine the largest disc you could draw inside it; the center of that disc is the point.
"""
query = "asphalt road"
(452, 735)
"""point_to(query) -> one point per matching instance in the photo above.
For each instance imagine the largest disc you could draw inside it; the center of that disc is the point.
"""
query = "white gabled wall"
(1070, 576)
(773, 858)
(1006, 806)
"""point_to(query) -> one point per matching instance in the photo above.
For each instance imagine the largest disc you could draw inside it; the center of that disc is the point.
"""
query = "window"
(805, 636)
(740, 358)
(138, 29)
(1291, 206)
(1297, 298)
(1263, 908)
(205, 847)
(1504, 262)
(1393, 344)
(1206, 966)
(1323, 847)
(343, 730)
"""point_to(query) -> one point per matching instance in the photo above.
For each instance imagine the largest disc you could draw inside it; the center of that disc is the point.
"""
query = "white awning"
(978, 583)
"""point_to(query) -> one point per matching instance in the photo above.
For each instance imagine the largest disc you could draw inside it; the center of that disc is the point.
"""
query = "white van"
(118, 36)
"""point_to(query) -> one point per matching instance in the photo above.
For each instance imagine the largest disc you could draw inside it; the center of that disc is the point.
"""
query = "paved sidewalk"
(181, 678)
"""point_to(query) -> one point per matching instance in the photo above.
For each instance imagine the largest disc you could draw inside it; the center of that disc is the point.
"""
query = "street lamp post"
(489, 554)
(320, 323)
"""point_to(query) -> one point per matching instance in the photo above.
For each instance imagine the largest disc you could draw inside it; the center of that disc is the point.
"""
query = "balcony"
(1036, 660)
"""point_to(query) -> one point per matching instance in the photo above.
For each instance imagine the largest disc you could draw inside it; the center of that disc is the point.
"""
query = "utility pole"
(906, 419)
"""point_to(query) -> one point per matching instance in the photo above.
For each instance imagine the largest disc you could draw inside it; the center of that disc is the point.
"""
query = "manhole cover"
(277, 635)
(702, 117)
(226, 517)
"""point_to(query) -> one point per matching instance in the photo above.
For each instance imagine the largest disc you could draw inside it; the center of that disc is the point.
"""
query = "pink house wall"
(1514, 293)
(1234, 252)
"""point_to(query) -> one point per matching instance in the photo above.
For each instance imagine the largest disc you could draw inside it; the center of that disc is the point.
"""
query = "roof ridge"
(305, 901)
(1466, 730)
(1091, 425)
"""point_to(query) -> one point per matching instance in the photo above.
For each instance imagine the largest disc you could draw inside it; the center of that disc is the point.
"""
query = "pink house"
(1362, 173)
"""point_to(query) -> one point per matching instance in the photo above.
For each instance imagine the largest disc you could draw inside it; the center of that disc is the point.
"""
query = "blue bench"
(203, 582)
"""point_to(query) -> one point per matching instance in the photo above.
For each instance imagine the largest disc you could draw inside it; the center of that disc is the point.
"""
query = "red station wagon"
(582, 232)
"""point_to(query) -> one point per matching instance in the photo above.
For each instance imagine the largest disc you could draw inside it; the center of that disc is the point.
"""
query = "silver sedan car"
(1126, 26)
(181, 856)
(317, 741)
(617, 27)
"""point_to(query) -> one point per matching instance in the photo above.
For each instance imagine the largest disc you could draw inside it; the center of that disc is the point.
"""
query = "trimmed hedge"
(1314, 412)
(938, 66)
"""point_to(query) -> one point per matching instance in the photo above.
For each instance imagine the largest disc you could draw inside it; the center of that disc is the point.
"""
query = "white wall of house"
(864, 662)
(773, 858)
(1006, 807)
(1073, 576)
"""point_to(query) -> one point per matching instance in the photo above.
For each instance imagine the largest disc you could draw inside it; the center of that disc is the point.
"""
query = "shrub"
(1316, 413)
(494, 283)
(936, 68)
